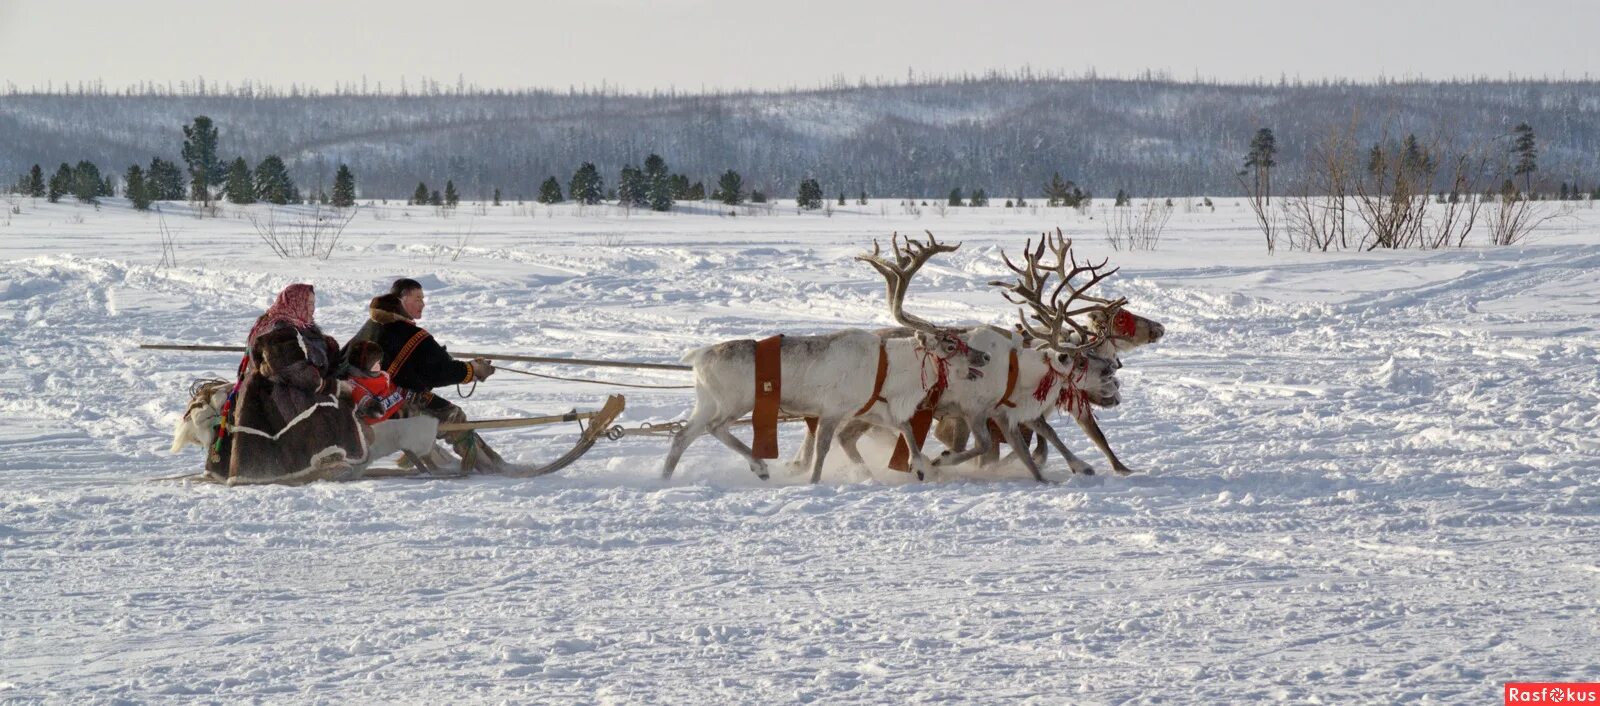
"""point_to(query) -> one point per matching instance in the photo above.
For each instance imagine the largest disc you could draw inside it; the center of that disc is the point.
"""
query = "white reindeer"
(833, 377)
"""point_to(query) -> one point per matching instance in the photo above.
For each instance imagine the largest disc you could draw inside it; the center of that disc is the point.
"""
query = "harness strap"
(921, 422)
(1011, 382)
(405, 353)
(877, 385)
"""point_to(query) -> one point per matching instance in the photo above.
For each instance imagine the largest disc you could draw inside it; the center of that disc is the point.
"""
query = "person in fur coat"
(289, 421)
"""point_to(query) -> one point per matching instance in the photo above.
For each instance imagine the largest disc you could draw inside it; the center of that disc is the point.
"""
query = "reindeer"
(1120, 331)
(1068, 365)
(832, 377)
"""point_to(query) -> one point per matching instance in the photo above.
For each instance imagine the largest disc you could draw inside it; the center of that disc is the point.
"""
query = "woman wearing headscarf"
(289, 422)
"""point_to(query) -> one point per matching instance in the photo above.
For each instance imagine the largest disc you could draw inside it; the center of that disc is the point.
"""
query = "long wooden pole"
(585, 362)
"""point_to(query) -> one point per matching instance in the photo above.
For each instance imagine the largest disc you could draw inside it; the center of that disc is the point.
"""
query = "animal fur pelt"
(289, 422)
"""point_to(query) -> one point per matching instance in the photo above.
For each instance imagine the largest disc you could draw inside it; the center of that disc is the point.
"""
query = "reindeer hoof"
(1123, 470)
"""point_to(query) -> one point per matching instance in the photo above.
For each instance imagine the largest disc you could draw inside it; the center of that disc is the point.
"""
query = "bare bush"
(1316, 213)
(1138, 227)
(1392, 193)
(298, 235)
(169, 243)
(610, 240)
(1460, 207)
(1516, 217)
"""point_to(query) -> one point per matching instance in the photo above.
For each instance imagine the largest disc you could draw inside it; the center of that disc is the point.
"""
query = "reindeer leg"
(691, 431)
(957, 453)
(1047, 432)
(757, 466)
(802, 458)
(849, 435)
(919, 462)
(824, 440)
(1091, 427)
(1015, 440)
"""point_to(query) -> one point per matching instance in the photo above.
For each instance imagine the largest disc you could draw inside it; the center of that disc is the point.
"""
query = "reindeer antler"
(1051, 316)
(908, 259)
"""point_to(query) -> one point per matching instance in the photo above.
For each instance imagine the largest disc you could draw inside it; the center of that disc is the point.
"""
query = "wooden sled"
(599, 424)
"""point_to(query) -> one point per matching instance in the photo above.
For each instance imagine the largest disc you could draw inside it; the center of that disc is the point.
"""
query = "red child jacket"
(379, 386)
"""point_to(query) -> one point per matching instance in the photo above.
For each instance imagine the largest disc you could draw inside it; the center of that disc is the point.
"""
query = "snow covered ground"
(1364, 477)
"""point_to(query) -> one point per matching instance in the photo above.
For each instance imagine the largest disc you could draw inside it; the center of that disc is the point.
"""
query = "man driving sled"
(416, 362)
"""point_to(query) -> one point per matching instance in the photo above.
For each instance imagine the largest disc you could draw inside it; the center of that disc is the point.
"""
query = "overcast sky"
(694, 44)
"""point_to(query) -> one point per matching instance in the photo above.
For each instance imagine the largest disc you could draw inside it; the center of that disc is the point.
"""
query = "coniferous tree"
(344, 187)
(980, 198)
(1122, 198)
(420, 196)
(435, 199)
(108, 186)
(206, 170)
(451, 198)
(657, 183)
(680, 187)
(1058, 192)
(35, 184)
(134, 188)
(62, 183)
(273, 184)
(550, 191)
(730, 188)
(240, 187)
(497, 196)
(586, 187)
(842, 202)
(1263, 147)
(810, 196)
(955, 197)
(86, 182)
(164, 180)
(697, 192)
(632, 189)
(862, 201)
(758, 196)
(1527, 152)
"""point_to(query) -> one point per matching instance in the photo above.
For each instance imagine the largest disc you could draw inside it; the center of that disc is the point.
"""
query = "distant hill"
(1005, 136)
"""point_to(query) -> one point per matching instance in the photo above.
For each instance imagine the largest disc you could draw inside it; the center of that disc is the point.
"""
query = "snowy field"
(1363, 477)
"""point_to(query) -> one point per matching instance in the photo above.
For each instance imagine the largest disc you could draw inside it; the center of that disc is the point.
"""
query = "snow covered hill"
(1363, 477)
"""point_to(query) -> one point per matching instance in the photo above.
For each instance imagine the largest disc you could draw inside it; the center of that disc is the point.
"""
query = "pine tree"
(61, 184)
(680, 188)
(108, 186)
(420, 196)
(730, 188)
(810, 196)
(435, 199)
(451, 198)
(1566, 194)
(497, 196)
(1021, 202)
(657, 183)
(200, 153)
(1527, 152)
(979, 198)
(240, 188)
(1263, 147)
(86, 182)
(273, 184)
(632, 188)
(550, 191)
(1122, 198)
(586, 187)
(164, 180)
(1058, 192)
(697, 192)
(35, 184)
(344, 187)
(955, 197)
(842, 202)
(134, 188)
(862, 201)
(758, 196)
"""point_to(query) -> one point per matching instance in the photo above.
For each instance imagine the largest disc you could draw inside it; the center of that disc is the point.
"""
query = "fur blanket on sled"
(290, 422)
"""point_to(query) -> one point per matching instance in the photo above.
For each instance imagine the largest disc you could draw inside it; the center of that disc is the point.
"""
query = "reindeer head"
(1049, 294)
(949, 345)
(1124, 329)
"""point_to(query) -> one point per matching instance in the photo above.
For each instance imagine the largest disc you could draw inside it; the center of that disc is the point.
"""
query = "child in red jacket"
(376, 396)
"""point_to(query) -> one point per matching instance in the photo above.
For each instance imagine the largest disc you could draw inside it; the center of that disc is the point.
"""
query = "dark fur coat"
(288, 418)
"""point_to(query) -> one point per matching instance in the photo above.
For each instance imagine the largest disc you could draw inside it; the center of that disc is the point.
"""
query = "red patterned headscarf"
(296, 306)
